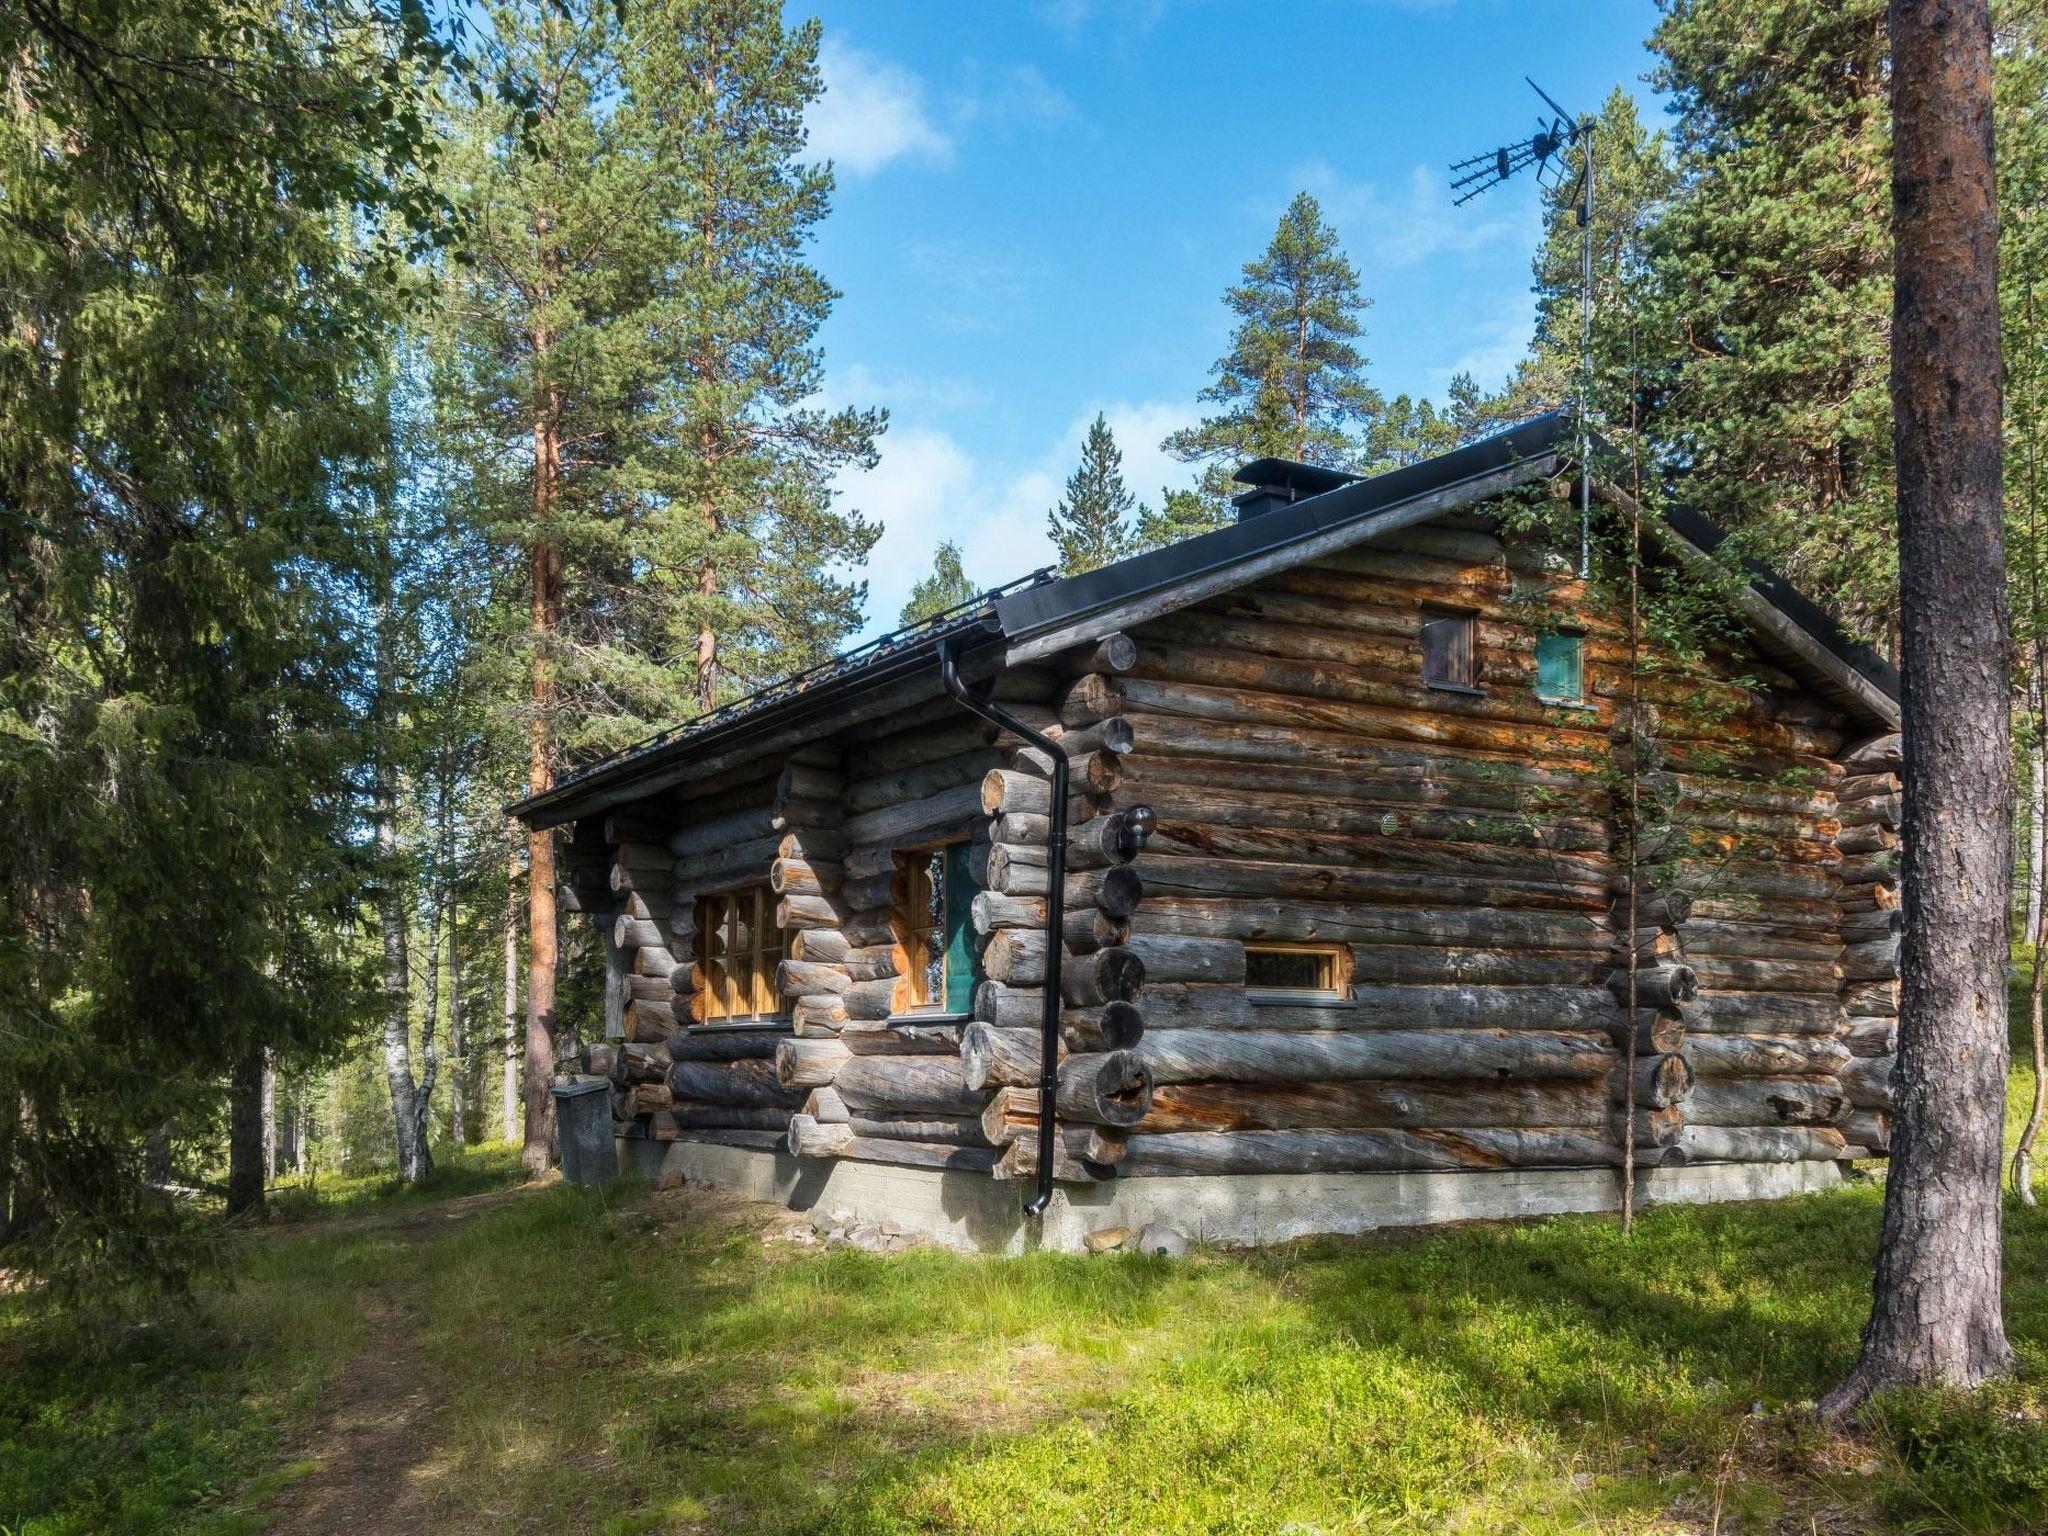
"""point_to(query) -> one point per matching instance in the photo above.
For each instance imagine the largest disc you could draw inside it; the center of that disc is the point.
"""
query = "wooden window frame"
(1564, 700)
(767, 1008)
(1336, 960)
(912, 922)
(1468, 617)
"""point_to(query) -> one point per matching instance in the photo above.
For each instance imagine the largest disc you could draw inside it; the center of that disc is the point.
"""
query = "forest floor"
(491, 1357)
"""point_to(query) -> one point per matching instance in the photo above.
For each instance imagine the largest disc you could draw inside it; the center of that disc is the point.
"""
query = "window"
(1447, 650)
(1290, 971)
(738, 949)
(938, 929)
(1561, 668)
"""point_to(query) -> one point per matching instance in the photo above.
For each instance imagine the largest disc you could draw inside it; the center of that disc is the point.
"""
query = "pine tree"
(947, 586)
(746, 545)
(1181, 514)
(1090, 526)
(1773, 276)
(1293, 383)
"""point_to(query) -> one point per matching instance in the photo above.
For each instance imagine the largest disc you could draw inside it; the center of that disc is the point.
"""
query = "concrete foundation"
(973, 1211)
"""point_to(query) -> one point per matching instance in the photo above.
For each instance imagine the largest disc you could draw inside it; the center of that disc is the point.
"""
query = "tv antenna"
(1544, 150)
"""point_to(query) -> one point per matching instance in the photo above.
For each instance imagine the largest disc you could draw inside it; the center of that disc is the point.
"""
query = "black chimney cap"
(1281, 482)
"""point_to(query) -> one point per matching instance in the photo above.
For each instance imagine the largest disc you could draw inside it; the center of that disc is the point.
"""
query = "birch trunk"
(398, 1078)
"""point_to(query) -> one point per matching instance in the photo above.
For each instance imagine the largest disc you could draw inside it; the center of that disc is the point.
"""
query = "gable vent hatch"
(1275, 483)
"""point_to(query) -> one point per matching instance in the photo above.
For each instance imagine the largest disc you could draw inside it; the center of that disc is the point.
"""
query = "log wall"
(1464, 850)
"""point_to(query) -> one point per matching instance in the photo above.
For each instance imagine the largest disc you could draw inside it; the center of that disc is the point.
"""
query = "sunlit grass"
(616, 1361)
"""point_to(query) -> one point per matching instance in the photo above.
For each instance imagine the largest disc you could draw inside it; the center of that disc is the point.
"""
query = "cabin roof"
(1040, 615)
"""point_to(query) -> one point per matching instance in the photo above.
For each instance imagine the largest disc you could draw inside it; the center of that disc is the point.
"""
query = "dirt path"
(375, 1435)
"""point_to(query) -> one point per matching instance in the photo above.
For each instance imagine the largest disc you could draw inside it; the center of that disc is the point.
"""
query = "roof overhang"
(1042, 620)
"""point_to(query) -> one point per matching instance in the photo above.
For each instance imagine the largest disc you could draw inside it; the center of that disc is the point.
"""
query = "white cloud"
(1408, 228)
(1495, 345)
(872, 112)
(928, 489)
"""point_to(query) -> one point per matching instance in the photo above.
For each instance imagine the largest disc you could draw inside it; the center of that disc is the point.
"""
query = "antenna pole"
(1586, 340)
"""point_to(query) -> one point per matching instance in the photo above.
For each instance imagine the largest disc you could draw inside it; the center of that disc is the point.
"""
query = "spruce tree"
(1773, 274)
(1633, 181)
(1089, 527)
(1293, 383)
(946, 586)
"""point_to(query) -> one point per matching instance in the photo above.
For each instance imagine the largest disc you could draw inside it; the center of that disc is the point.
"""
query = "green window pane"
(1560, 667)
(962, 962)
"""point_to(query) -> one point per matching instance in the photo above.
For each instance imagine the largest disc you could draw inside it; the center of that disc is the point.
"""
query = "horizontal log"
(805, 910)
(1107, 976)
(1868, 1081)
(1774, 1013)
(715, 1044)
(1192, 1055)
(1761, 1144)
(1656, 986)
(906, 1085)
(1086, 930)
(1660, 1082)
(1116, 890)
(938, 815)
(907, 1039)
(1113, 735)
(1742, 1101)
(809, 1063)
(911, 1154)
(820, 1013)
(813, 844)
(750, 1082)
(695, 1114)
(1724, 973)
(1225, 1106)
(1874, 960)
(1869, 1129)
(1114, 1088)
(1872, 1037)
(809, 978)
(1360, 1151)
(1007, 792)
(1766, 1055)
(787, 877)
(1112, 1027)
(1000, 1058)
(870, 1000)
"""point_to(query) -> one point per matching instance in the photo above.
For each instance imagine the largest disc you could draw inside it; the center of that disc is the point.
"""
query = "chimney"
(1276, 483)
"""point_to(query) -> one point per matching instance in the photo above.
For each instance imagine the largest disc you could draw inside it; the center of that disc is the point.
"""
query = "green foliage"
(1293, 383)
(1773, 281)
(1181, 514)
(945, 586)
(207, 204)
(1090, 526)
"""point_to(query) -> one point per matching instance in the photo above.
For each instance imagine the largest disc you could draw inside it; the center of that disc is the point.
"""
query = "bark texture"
(245, 1135)
(1936, 1313)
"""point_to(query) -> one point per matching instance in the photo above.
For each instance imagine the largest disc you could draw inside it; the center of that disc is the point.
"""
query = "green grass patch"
(621, 1361)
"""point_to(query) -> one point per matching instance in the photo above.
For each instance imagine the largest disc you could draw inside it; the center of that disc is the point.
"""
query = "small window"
(738, 949)
(1294, 970)
(1561, 668)
(938, 930)
(1447, 650)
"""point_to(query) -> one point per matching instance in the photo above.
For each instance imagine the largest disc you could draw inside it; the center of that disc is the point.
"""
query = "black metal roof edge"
(646, 760)
(1699, 529)
(1054, 603)
(1049, 605)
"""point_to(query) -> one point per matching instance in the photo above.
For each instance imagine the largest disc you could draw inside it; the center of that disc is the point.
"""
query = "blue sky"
(1040, 205)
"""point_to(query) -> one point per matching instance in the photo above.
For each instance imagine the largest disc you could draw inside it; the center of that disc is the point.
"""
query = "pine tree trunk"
(542, 952)
(302, 1131)
(245, 1134)
(509, 1094)
(1936, 1311)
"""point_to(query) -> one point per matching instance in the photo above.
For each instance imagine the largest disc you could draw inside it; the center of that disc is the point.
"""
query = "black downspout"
(1055, 913)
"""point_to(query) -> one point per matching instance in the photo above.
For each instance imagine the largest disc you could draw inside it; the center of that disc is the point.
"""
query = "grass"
(620, 1362)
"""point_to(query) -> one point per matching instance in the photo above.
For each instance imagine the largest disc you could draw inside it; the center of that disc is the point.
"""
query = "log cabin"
(1277, 881)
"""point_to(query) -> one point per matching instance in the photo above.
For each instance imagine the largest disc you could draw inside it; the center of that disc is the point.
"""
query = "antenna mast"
(1482, 173)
